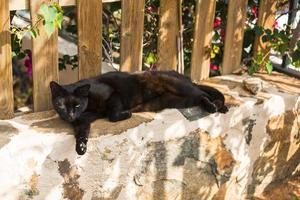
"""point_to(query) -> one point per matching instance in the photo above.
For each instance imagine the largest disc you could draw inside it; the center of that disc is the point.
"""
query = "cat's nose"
(72, 117)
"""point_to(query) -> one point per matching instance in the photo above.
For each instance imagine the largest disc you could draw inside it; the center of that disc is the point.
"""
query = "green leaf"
(66, 57)
(49, 28)
(52, 14)
(269, 67)
(265, 38)
(33, 33)
(44, 10)
(21, 55)
(258, 30)
(74, 59)
(48, 13)
(58, 20)
(252, 69)
(268, 31)
(74, 66)
(298, 44)
(259, 57)
(296, 58)
(151, 59)
(62, 66)
(57, 7)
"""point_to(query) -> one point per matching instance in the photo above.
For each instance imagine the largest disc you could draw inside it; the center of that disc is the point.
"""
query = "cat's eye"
(77, 106)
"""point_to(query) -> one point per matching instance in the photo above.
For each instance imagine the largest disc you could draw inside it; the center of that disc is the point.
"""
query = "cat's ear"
(56, 89)
(82, 90)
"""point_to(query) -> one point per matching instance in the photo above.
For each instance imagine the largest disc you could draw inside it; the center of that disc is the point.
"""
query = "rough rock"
(251, 152)
(254, 85)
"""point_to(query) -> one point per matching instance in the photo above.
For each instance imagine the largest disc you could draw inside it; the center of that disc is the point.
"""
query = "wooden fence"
(45, 53)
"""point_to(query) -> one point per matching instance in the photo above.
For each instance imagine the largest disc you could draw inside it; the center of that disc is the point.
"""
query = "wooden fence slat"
(44, 62)
(132, 29)
(236, 17)
(202, 39)
(266, 19)
(6, 80)
(180, 48)
(89, 19)
(168, 35)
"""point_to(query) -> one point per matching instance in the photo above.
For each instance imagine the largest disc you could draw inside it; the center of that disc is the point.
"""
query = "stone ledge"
(250, 152)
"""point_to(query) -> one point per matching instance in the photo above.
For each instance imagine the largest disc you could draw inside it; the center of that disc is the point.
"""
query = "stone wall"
(251, 152)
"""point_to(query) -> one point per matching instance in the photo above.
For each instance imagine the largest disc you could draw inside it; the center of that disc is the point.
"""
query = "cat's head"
(69, 105)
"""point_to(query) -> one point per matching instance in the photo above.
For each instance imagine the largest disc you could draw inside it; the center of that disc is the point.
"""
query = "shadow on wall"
(280, 159)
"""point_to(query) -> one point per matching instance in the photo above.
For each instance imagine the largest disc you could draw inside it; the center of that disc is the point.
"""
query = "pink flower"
(28, 64)
(254, 11)
(275, 25)
(153, 67)
(217, 22)
(214, 67)
(151, 9)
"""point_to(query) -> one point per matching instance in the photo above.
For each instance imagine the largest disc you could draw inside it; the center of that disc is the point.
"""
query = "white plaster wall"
(114, 160)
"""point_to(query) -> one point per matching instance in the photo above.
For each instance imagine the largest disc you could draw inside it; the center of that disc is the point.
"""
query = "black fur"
(116, 95)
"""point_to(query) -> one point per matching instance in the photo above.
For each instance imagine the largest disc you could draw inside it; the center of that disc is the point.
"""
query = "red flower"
(217, 22)
(275, 25)
(222, 33)
(254, 11)
(214, 67)
(28, 64)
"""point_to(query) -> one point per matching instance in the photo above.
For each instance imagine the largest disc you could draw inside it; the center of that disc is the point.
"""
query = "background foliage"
(53, 16)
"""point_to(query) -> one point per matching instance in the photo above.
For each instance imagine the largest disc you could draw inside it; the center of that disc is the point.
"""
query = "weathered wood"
(44, 62)
(24, 4)
(6, 80)
(202, 39)
(168, 35)
(132, 29)
(89, 19)
(180, 47)
(266, 19)
(236, 17)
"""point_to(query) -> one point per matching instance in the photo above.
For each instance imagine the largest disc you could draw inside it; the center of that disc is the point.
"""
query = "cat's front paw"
(224, 109)
(81, 145)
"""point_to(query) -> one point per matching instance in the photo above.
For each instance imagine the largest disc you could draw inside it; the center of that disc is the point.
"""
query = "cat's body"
(116, 95)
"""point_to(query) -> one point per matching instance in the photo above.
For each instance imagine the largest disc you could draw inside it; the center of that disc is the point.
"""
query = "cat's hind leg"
(189, 90)
(116, 111)
(169, 100)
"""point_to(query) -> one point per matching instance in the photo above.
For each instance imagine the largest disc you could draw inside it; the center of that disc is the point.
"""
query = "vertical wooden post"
(44, 62)
(180, 48)
(6, 80)
(168, 35)
(266, 19)
(89, 19)
(202, 39)
(236, 17)
(132, 29)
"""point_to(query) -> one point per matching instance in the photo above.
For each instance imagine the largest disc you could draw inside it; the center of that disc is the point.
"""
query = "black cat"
(117, 94)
